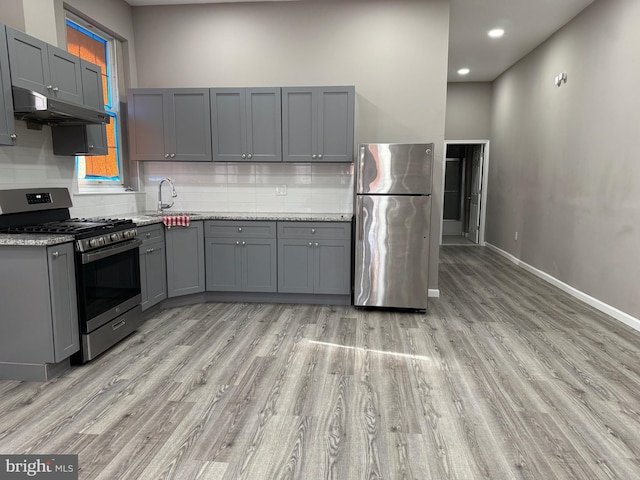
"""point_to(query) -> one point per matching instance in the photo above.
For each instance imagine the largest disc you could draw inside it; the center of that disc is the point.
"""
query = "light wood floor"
(506, 377)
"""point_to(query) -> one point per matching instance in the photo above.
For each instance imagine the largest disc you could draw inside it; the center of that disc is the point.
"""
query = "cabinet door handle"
(56, 89)
(316, 244)
(249, 156)
(238, 243)
(49, 87)
(173, 155)
(166, 155)
(13, 136)
(150, 250)
(244, 243)
(90, 147)
(239, 229)
(55, 254)
(149, 235)
(320, 155)
(313, 230)
(310, 244)
(244, 156)
(313, 156)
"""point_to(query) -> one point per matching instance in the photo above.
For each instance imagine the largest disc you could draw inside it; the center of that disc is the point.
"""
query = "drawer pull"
(116, 326)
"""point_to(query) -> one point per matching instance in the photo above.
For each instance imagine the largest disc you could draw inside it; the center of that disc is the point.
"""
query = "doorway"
(464, 193)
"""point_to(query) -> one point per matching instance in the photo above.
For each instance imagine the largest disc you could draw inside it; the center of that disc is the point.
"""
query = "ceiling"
(527, 23)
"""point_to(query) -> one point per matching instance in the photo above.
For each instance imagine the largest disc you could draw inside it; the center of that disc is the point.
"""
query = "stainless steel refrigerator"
(392, 211)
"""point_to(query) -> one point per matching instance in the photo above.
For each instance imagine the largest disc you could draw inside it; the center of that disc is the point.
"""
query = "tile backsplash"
(31, 163)
(218, 187)
(252, 187)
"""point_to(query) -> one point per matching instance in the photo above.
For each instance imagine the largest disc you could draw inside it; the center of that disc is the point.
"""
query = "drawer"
(151, 234)
(239, 229)
(333, 230)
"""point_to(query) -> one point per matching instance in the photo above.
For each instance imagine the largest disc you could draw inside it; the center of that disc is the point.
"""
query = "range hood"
(36, 108)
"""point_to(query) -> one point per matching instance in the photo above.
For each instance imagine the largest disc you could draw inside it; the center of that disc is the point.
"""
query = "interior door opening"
(464, 185)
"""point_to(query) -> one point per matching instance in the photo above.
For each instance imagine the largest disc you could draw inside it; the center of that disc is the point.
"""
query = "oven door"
(108, 283)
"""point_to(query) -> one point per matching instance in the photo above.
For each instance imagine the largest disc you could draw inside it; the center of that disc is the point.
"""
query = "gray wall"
(564, 167)
(468, 111)
(395, 53)
(31, 163)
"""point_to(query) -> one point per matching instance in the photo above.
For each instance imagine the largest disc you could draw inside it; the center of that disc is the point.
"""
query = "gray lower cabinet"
(153, 265)
(246, 124)
(7, 122)
(318, 124)
(39, 310)
(240, 256)
(185, 259)
(171, 124)
(314, 257)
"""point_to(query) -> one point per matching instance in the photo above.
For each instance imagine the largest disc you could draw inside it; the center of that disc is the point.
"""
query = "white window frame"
(101, 185)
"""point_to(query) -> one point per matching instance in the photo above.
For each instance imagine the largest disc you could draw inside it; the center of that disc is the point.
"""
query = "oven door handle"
(111, 250)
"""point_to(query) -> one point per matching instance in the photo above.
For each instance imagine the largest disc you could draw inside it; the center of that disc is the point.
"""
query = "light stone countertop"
(142, 219)
(33, 240)
(151, 218)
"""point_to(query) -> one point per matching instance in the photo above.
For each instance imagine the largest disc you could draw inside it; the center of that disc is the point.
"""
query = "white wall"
(31, 162)
(468, 111)
(395, 53)
(564, 170)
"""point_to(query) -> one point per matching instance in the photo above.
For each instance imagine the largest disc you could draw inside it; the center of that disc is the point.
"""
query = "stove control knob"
(93, 242)
(114, 237)
(101, 241)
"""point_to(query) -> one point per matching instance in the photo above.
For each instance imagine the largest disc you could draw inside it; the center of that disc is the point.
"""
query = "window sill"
(106, 192)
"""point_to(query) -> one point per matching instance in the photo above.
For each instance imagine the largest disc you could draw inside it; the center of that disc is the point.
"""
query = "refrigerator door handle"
(360, 224)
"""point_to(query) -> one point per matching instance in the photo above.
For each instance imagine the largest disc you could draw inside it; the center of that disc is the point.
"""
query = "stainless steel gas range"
(106, 261)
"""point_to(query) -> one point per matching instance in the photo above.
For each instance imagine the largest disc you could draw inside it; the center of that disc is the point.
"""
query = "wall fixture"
(560, 79)
(463, 71)
(496, 33)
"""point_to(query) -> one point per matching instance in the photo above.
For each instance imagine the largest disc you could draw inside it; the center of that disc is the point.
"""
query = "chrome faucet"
(162, 206)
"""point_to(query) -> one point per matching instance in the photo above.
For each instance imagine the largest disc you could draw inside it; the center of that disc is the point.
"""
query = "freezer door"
(392, 251)
(394, 169)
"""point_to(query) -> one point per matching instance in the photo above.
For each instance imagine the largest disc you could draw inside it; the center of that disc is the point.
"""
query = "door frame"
(485, 183)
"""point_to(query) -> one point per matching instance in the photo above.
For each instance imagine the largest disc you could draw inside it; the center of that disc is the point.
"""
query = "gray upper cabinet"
(92, 92)
(43, 68)
(91, 140)
(317, 124)
(246, 124)
(169, 124)
(185, 259)
(7, 123)
(241, 256)
(314, 257)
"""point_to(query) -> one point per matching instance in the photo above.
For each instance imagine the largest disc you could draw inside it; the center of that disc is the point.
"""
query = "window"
(89, 43)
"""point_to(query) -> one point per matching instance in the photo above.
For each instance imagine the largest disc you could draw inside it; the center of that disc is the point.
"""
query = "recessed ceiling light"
(463, 71)
(496, 33)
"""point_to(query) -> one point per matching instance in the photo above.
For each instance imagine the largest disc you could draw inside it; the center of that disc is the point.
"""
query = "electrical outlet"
(281, 190)
(516, 236)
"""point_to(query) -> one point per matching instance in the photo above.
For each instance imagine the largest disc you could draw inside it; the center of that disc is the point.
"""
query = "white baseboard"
(619, 315)
(433, 292)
